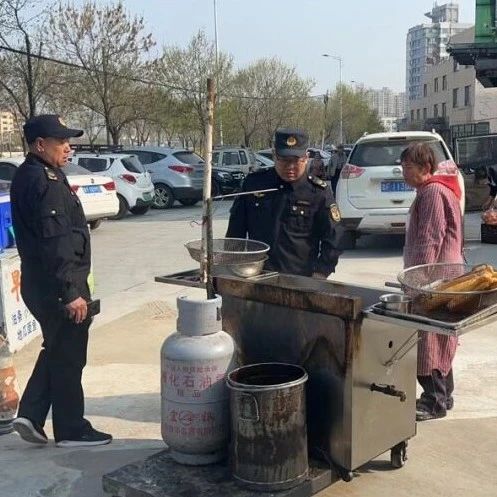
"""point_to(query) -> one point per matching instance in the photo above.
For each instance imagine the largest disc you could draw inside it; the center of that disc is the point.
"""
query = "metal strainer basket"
(230, 251)
(420, 283)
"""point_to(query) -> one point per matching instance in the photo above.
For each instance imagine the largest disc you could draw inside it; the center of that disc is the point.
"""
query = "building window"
(456, 65)
(425, 90)
(418, 115)
(425, 113)
(412, 115)
(444, 109)
(467, 100)
(444, 83)
(455, 92)
(435, 84)
(435, 110)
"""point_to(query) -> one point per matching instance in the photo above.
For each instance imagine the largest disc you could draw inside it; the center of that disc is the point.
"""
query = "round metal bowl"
(396, 302)
(247, 269)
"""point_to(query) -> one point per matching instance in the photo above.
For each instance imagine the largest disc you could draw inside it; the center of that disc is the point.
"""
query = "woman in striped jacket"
(434, 234)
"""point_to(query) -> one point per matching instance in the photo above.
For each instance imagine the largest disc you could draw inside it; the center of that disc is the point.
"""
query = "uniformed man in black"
(54, 245)
(300, 221)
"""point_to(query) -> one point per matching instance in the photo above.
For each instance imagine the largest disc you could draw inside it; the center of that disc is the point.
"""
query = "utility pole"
(340, 93)
(325, 100)
(218, 100)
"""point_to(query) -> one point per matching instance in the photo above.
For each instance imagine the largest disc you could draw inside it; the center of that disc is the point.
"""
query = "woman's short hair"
(419, 153)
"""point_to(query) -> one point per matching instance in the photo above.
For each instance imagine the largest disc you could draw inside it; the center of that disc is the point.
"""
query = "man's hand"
(77, 310)
(319, 276)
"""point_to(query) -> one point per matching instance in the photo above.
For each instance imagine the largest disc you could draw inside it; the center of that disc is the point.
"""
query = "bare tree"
(265, 95)
(188, 70)
(110, 45)
(24, 77)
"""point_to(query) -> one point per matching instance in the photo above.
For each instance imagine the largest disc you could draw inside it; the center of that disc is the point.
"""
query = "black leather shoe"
(422, 415)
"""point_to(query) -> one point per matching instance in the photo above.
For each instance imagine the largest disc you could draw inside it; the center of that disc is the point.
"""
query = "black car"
(226, 181)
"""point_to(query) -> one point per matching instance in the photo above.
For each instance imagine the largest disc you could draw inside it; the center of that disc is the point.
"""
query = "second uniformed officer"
(54, 245)
(300, 221)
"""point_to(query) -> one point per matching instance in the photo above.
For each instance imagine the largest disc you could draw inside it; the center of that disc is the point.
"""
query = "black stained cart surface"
(160, 476)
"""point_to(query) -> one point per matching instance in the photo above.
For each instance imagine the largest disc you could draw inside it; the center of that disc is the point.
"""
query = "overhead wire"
(135, 79)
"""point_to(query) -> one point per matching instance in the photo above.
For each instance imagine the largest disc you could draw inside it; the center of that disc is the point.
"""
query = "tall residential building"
(453, 97)
(426, 45)
(386, 102)
(6, 122)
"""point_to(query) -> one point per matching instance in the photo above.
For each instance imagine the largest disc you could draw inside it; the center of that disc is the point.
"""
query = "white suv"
(371, 192)
(134, 186)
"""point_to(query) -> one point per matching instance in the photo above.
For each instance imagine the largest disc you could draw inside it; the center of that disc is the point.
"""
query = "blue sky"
(368, 34)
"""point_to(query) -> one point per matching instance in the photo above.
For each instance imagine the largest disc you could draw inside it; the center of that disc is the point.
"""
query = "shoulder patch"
(51, 174)
(318, 181)
(335, 213)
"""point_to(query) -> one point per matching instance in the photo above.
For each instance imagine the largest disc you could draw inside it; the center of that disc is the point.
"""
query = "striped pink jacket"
(434, 234)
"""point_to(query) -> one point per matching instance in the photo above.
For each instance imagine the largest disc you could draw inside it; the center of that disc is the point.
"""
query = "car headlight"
(224, 175)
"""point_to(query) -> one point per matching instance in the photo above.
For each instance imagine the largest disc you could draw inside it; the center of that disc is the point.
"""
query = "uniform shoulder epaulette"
(317, 181)
(51, 174)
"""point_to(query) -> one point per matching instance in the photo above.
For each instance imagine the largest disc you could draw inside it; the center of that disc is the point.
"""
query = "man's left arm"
(330, 233)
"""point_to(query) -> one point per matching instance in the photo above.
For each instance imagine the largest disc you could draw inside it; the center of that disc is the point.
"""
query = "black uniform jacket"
(51, 234)
(300, 222)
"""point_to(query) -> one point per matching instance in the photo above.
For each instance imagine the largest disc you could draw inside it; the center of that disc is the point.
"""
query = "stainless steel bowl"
(247, 269)
(397, 302)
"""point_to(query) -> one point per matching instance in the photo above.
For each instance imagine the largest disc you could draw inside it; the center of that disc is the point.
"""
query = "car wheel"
(139, 210)
(188, 201)
(95, 224)
(123, 208)
(349, 240)
(163, 197)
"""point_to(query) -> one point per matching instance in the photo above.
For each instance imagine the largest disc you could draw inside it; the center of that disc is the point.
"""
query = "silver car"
(177, 174)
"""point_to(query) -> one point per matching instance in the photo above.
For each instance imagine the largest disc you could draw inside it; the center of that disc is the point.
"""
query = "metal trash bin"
(268, 424)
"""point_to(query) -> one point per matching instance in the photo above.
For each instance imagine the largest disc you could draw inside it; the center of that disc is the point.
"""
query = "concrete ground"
(455, 456)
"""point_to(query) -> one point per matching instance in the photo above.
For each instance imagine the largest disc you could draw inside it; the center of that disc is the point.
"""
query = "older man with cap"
(300, 221)
(54, 245)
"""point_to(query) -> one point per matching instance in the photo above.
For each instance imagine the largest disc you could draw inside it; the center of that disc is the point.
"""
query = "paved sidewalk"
(455, 456)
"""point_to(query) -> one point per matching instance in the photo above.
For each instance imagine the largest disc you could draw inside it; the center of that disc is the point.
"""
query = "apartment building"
(452, 94)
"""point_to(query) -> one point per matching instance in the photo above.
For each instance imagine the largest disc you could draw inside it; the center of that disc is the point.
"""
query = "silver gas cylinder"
(195, 362)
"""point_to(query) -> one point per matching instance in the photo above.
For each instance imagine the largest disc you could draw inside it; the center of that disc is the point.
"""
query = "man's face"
(55, 151)
(290, 169)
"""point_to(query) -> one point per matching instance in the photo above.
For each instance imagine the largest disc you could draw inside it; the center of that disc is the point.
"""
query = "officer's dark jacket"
(51, 233)
(295, 221)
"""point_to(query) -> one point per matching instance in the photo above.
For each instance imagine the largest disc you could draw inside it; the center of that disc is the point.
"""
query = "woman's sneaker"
(89, 438)
(30, 431)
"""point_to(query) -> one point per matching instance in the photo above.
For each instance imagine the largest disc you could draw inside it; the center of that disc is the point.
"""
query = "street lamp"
(340, 64)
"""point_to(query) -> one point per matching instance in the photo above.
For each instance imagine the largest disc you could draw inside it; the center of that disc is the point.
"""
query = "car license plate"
(395, 187)
(91, 189)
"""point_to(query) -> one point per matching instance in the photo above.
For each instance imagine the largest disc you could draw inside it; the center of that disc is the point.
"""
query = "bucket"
(268, 425)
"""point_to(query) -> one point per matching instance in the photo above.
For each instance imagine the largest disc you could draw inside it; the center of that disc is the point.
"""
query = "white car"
(371, 192)
(134, 186)
(96, 193)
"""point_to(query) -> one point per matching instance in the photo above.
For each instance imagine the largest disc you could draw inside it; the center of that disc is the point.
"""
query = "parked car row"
(96, 193)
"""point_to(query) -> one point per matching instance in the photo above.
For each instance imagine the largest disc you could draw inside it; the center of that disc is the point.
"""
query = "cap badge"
(291, 141)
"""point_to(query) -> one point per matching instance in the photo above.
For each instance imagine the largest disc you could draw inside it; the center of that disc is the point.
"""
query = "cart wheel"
(398, 455)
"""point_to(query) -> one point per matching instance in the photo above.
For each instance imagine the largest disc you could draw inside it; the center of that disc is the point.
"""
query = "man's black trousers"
(56, 378)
